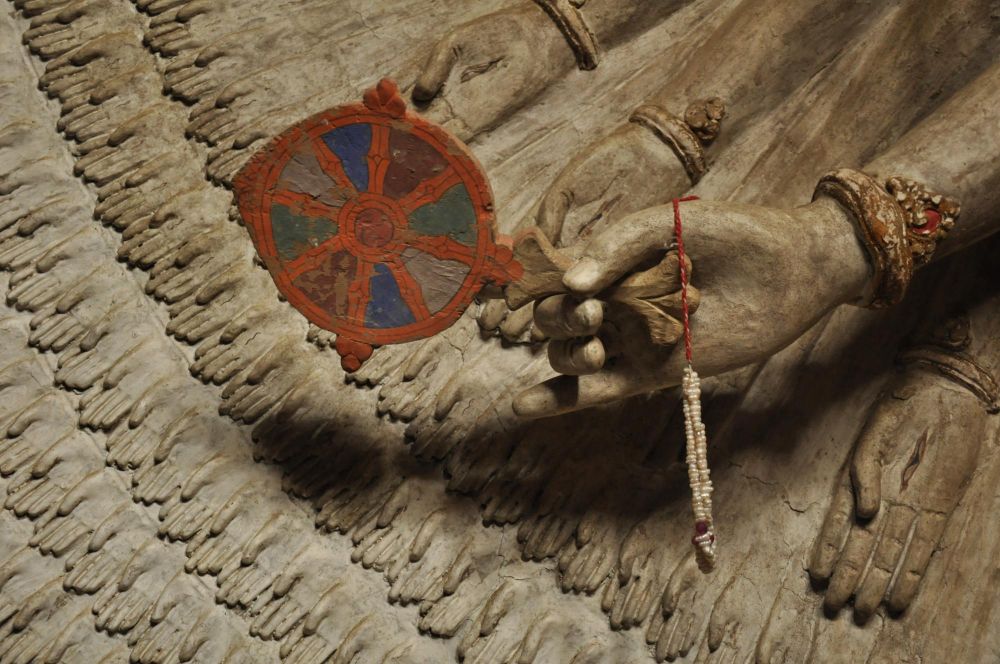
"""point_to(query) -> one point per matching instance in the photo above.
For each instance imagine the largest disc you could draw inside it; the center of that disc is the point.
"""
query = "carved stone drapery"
(186, 475)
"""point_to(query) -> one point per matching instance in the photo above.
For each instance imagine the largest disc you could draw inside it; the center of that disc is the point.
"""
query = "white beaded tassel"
(694, 428)
(698, 473)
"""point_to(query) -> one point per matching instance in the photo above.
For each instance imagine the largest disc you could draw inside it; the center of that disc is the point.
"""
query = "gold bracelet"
(945, 351)
(899, 225)
(571, 23)
(686, 137)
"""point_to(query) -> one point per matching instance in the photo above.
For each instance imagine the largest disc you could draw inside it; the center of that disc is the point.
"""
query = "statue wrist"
(949, 351)
(835, 239)
(898, 223)
(687, 136)
(573, 25)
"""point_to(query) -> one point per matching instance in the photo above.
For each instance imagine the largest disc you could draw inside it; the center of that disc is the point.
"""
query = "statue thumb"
(587, 276)
(435, 72)
(866, 477)
(617, 250)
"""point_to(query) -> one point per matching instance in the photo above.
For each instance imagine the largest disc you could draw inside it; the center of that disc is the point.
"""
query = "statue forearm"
(957, 151)
(617, 21)
(984, 333)
(762, 64)
(592, 25)
(766, 46)
(935, 190)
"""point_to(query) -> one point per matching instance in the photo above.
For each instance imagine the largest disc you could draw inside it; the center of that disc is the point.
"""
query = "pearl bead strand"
(698, 472)
(699, 477)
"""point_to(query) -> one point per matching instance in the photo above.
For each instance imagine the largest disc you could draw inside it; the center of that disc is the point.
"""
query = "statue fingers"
(639, 605)
(536, 336)
(722, 633)
(426, 356)
(590, 192)
(577, 357)
(492, 315)
(927, 534)
(437, 68)
(565, 317)
(536, 637)
(617, 249)
(847, 573)
(599, 571)
(553, 210)
(866, 461)
(451, 394)
(516, 324)
(685, 636)
(788, 634)
(888, 551)
(837, 524)
(683, 578)
(573, 567)
(565, 394)
(663, 646)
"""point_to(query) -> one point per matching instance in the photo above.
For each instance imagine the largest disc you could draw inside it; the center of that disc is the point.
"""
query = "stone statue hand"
(630, 170)
(764, 276)
(908, 471)
(606, 181)
(488, 68)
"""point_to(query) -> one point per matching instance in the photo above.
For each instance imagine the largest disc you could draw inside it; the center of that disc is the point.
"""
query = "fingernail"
(583, 276)
(867, 505)
(423, 93)
(590, 357)
(531, 404)
(587, 317)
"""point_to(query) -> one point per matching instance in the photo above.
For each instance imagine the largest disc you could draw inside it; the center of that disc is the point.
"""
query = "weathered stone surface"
(187, 477)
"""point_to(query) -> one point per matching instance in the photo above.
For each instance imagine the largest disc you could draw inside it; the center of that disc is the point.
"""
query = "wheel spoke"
(409, 289)
(378, 159)
(443, 248)
(331, 165)
(430, 190)
(304, 204)
(359, 292)
(313, 258)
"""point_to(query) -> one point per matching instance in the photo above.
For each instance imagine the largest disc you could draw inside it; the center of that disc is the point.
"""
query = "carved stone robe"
(188, 476)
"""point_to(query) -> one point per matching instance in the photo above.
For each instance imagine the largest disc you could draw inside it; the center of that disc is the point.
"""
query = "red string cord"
(679, 238)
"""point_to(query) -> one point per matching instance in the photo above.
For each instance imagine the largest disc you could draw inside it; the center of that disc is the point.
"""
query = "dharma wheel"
(374, 223)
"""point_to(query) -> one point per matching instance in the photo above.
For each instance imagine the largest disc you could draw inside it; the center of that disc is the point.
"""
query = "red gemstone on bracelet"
(701, 527)
(933, 218)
